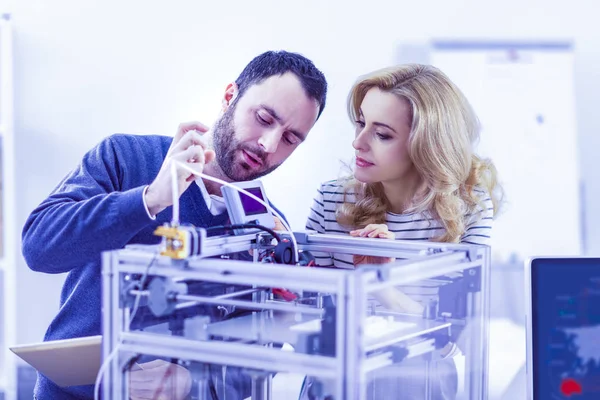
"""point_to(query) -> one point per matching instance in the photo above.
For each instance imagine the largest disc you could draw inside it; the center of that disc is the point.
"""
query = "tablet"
(563, 328)
(69, 362)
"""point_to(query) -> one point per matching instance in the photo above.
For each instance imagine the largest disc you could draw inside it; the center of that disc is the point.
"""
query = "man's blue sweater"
(98, 207)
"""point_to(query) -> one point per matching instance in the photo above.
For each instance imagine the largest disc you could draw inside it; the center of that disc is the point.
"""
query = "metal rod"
(240, 303)
(229, 353)
(203, 382)
(107, 342)
(239, 293)
(476, 357)
(412, 275)
(269, 387)
(249, 305)
(238, 272)
(259, 390)
(410, 246)
(485, 319)
(427, 379)
(380, 252)
(136, 292)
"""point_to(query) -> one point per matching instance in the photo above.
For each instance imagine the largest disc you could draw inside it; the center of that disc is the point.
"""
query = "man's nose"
(269, 141)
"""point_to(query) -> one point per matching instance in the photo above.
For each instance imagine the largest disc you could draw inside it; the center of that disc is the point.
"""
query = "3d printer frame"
(337, 352)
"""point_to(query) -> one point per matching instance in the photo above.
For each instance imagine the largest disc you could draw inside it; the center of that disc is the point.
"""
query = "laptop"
(69, 362)
(563, 328)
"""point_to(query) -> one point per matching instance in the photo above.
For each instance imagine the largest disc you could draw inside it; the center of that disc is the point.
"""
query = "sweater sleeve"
(87, 213)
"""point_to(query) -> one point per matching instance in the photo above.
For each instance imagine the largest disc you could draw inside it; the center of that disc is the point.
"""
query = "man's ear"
(231, 92)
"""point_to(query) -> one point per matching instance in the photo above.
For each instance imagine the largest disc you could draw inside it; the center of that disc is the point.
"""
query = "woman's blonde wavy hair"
(443, 133)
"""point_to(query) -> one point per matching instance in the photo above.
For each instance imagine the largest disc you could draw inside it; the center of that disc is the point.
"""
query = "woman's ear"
(231, 92)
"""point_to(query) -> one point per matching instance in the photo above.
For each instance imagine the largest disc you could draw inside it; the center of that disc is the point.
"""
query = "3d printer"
(226, 317)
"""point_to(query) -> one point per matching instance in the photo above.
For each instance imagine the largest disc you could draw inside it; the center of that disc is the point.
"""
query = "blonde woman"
(416, 177)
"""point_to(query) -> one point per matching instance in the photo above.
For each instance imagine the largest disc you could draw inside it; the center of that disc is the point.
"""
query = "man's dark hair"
(273, 63)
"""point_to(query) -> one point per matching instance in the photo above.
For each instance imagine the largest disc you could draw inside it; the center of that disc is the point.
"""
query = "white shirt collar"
(215, 204)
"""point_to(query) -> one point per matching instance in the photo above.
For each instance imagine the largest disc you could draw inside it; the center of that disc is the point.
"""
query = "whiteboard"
(524, 96)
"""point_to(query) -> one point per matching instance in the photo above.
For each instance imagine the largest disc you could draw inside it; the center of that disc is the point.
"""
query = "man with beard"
(122, 190)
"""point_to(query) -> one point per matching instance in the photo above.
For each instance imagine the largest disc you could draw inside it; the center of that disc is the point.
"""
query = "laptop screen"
(565, 328)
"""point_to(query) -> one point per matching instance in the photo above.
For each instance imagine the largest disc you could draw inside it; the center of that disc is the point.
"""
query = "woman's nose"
(359, 143)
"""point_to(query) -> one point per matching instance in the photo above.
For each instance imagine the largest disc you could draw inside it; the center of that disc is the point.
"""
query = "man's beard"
(227, 147)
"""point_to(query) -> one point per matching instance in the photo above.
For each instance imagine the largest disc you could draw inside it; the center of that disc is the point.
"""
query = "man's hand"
(189, 148)
(278, 225)
(159, 380)
(373, 231)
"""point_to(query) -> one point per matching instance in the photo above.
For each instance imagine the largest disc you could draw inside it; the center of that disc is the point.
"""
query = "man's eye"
(290, 139)
(261, 120)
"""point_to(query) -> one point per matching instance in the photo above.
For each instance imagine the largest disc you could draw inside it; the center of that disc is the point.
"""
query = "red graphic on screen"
(569, 387)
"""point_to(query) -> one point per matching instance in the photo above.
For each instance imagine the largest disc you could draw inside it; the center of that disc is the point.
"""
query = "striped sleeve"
(316, 216)
(316, 222)
(479, 222)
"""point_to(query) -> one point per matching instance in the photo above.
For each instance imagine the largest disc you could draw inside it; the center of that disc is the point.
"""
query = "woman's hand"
(391, 298)
(373, 231)
(380, 231)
